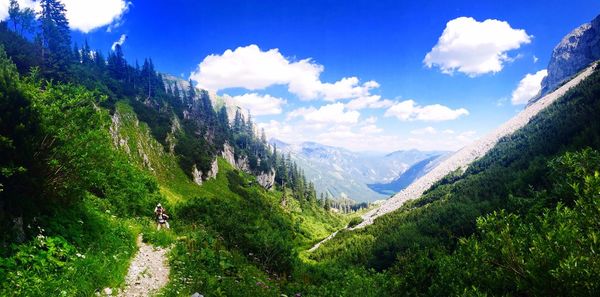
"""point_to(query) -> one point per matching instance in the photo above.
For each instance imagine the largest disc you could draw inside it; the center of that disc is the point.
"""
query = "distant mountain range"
(360, 176)
(407, 177)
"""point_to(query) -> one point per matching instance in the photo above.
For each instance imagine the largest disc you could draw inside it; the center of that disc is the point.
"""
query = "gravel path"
(148, 271)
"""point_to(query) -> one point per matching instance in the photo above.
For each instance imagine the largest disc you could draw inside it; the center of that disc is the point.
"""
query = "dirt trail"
(316, 246)
(148, 271)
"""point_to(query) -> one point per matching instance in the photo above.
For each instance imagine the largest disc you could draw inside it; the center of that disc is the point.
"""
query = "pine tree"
(191, 91)
(22, 19)
(86, 54)
(238, 121)
(176, 91)
(263, 136)
(55, 37)
(99, 62)
(117, 66)
(14, 13)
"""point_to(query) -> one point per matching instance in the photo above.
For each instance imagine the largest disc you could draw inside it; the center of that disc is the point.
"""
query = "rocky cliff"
(575, 52)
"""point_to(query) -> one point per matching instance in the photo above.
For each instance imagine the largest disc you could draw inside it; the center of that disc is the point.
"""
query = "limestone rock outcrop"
(267, 179)
(576, 51)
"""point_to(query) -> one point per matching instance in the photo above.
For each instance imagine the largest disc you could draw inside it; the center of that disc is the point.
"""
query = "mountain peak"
(576, 51)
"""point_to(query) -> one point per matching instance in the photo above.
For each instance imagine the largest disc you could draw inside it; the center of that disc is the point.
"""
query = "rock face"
(118, 141)
(240, 164)
(267, 180)
(463, 158)
(199, 177)
(228, 154)
(576, 51)
(214, 169)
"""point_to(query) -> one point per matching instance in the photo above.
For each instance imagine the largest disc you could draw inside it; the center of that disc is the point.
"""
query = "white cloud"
(83, 15)
(365, 136)
(424, 131)
(373, 101)
(87, 15)
(409, 111)
(260, 104)
(4, 4)
(475, 48)
(275, 129)
(370, 129)
(119, 42)
(251, 68)
(331, 113)
(528, 87)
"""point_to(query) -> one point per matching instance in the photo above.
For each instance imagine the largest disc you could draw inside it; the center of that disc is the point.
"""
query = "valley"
(258, 174)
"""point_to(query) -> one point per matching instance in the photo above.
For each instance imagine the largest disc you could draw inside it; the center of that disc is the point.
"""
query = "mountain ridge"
(341, 173)
(574, 52)
(460, 160)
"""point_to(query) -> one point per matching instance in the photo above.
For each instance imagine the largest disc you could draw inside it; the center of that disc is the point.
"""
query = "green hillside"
(90, 145)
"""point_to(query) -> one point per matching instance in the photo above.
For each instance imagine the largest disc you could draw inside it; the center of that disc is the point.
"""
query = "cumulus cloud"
(409, 111)
(475, 48)
(260, 104)
(528, 87)
(373, 101)
(83, 15)
(365, 136)
(251, 68)
(278, 130)
(424, 131)
(331, 113)
(119, 42)
(87, 15)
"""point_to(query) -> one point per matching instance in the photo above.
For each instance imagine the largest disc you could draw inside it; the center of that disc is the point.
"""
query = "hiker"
(161, 217)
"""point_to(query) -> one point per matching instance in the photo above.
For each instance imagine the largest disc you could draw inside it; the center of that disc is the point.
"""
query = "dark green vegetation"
(89, 146)
(520, 221)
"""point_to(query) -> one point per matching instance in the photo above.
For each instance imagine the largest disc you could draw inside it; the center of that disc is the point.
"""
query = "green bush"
(355, 221)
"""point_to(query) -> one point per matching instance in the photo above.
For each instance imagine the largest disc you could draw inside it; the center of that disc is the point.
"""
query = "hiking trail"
(148, 272)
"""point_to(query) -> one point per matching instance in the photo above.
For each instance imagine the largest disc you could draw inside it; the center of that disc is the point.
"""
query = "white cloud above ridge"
(83, 15)
(408, 110)
(251, 68)
(373, 101)
(331, 113)
(259, 105)
(475, 48)
(366, 137)
(528, 87)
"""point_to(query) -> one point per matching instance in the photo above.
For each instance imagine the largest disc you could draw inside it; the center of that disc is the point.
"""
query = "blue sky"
(370, 53)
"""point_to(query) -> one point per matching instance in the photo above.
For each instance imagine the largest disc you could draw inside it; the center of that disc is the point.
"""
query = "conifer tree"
(86, 54)
(55, 37)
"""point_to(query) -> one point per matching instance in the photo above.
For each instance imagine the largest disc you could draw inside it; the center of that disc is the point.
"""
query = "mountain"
(458, 162)
(340, 173)
(575, 52)
(508, 221)
(415, 171)
(89, 147)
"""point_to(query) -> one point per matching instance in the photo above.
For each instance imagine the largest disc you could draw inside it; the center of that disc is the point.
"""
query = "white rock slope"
(464, 157)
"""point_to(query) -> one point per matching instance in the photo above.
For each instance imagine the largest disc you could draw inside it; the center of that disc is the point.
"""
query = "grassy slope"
(201, 258)
(510, 171)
